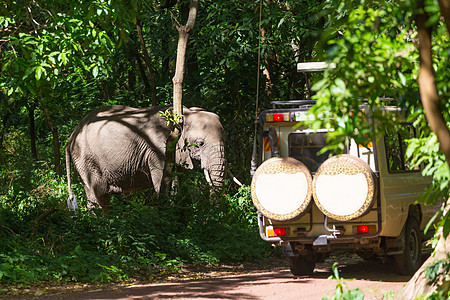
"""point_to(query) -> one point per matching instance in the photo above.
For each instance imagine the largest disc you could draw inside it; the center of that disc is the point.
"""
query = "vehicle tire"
(411, 258)
(301, 265)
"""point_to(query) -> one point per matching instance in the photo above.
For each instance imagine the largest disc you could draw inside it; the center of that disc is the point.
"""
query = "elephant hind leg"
(97, 201)
(103, 201)
(97, 197)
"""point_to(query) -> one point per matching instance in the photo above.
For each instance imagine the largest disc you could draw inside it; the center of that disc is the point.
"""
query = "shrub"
(141, 235)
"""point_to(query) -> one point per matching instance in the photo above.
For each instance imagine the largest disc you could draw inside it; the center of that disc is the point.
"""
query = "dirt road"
(376, 280)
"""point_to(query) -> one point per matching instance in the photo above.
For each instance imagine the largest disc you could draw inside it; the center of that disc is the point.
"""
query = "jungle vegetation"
(60, 59)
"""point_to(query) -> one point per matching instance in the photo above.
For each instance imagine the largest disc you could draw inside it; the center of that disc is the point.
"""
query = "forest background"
(61, 59)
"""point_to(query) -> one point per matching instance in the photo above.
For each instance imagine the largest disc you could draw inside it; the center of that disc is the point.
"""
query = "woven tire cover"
(344, 187)
(282, 188)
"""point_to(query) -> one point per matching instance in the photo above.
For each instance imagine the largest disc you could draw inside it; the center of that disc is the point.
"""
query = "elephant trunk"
(216, 164)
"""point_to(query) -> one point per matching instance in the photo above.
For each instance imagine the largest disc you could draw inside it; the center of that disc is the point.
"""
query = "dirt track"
(373, 278)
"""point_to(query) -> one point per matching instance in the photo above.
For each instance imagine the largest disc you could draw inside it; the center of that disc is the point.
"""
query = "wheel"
(409, 261)
(301, 265)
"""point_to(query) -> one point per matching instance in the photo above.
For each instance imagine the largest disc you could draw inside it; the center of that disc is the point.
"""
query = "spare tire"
(282, 188)
(344, 187)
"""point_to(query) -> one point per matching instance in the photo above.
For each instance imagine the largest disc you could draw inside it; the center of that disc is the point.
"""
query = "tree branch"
(41, 217)
(147, 61)
(444, 5)
(4, 129)
(192, 15)
(32, 130)
(56, 144)
(427, 85)
(7, 228)
(183, 36)
(142, 71)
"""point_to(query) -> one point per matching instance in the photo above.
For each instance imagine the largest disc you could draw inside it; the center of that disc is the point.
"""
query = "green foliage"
(372, 45)
(425, 151)
(40, 240)
(342, 291)
(170, 117)
(83, 55)
(241, 205)
(70, 47)
(365, 51)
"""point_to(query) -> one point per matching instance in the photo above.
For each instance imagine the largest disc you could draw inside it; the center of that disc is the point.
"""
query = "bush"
(40, 240)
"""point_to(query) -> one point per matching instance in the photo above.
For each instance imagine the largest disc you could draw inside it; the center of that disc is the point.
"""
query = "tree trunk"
(427, 85)
(192, 67)
(419, 285)
(444, 5)
(183, 36)
(269, 63)
(165, 62)
(131, 71)
(142, 72)
(32, 130)
(193, 70)
(56, 144)
(171, 144)
(148, 63)
(5, 122)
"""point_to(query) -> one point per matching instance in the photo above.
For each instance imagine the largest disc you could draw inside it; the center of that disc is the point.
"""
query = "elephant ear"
(182, 156)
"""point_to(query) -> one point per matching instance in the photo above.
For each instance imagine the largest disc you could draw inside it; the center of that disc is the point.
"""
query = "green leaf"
(446, 229)
(63, 58)
(95, 71)
(402, 78)
(38, 72)
(340, 84)
(335, 270)
(431, 221)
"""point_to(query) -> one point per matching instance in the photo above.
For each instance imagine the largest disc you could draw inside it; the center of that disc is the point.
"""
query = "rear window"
(305, 147)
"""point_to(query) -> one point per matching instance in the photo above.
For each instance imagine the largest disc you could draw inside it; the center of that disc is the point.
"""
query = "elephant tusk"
(208, 178)
(234, 178)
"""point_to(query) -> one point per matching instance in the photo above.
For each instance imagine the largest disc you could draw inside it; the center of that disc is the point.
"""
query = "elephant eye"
(200, 143)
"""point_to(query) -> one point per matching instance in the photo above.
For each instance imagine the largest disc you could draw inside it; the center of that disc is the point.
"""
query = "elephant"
(119, 149)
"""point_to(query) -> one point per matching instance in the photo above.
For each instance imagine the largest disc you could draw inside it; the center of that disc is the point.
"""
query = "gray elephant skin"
(119, 149)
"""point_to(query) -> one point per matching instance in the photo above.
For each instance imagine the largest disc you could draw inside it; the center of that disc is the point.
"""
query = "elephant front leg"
(156, 170)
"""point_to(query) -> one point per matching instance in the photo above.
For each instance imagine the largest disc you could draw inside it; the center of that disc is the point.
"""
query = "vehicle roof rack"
(314, 66)
(294, 102)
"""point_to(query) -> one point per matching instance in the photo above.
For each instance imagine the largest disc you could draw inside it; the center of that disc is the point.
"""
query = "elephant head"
(203, 139)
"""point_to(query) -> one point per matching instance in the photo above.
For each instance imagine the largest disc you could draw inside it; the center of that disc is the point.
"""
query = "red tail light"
(362, 229)
(279, 231)
(278, 117)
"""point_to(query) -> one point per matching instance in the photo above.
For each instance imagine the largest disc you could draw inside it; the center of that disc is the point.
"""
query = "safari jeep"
(313, 204)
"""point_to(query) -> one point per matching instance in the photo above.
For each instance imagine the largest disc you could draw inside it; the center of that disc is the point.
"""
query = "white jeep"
(313, 204)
